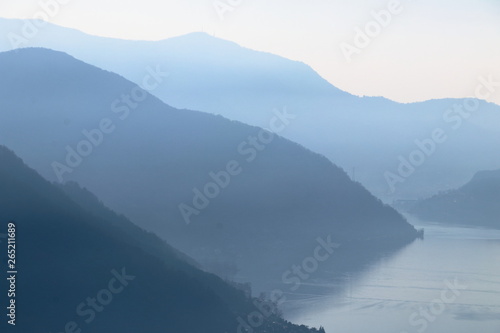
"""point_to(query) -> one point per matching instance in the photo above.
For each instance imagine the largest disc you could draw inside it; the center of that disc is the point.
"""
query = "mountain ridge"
(474, 203)
(246, 85)
(152, 161)
(80, 249)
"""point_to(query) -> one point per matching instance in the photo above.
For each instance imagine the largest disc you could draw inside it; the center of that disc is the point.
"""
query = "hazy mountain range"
(210, 186)
(476, 203)
(275, 166)
(82, 267)
(377, 141)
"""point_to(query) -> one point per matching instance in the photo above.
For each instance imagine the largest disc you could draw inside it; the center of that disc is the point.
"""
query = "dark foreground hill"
(216, 189)
(86, 268)
(476, 203)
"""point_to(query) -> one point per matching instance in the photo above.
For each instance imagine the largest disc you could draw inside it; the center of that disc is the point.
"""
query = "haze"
(432, 49)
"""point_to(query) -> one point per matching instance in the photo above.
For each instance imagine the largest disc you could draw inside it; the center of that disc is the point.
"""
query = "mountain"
(475, 203)
(86, 268)
(371, 137)
(211, 187)
(197, 63)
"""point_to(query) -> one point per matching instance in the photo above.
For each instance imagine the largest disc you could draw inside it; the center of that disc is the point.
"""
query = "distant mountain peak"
(486, 174)
(201, 38)
(199, 34)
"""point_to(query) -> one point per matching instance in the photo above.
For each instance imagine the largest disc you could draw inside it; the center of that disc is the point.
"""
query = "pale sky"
(430, 48)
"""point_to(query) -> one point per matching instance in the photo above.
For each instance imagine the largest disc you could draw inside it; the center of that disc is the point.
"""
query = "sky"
(404, 50)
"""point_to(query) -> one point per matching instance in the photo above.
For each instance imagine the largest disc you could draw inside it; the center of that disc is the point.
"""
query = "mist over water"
(404, 292)
(203, 184)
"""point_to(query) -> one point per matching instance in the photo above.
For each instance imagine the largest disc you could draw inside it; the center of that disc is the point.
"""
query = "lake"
(448, 282)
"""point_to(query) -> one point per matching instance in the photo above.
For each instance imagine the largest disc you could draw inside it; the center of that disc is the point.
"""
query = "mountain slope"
(197, 64)
(475, 203)
(68, 255)
(151, 161)
(368, 134)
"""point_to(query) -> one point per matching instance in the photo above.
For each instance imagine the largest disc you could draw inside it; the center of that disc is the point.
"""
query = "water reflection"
(411, 290)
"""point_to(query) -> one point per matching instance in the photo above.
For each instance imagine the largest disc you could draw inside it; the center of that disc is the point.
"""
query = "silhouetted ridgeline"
(476, 203)
(145, 159)
(67, 253)
(369, 133)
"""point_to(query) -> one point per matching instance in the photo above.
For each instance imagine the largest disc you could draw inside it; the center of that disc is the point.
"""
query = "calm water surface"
(449, 282)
